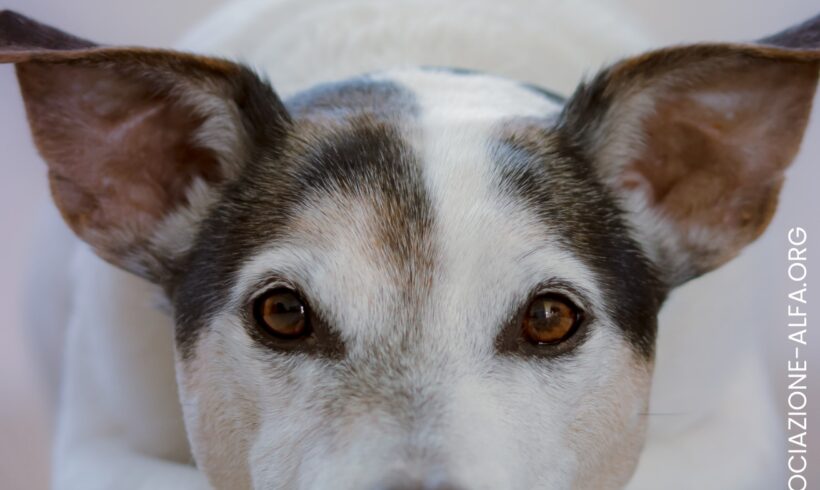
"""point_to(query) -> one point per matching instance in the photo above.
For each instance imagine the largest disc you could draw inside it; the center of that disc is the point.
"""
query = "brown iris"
(550, 319)
(282, 313)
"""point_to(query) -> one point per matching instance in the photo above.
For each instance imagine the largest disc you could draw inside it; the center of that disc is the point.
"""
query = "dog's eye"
(550, 319)
(281, 313)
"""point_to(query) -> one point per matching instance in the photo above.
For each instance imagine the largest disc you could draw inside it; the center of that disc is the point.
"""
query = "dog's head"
(419, 279)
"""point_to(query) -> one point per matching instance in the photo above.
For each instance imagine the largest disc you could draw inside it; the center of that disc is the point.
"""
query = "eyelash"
(264, 286)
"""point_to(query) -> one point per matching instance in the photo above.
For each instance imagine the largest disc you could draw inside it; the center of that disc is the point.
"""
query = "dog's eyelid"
(263, 286)
(518, 337)
(578, 295)
(271, 282)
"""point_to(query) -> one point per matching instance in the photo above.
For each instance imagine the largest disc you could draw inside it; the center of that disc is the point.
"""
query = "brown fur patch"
(721, 167)
(706, 132)
(120, 156)
(119, 130)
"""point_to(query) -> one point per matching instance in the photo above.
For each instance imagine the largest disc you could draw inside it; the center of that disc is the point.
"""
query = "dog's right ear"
(695, 140)
(137, 141)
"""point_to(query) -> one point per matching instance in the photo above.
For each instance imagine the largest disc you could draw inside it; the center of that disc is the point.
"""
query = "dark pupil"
(286, 305)
(546, 316)
(284, 313)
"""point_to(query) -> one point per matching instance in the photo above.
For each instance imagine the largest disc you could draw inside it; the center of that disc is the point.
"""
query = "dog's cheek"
(221, 413)
(254, 416)
(609, 429)
(297, 424)
(577, 422)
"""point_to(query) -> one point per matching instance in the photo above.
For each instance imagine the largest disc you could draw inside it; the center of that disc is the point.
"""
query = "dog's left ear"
(138, 142)
(694, 140)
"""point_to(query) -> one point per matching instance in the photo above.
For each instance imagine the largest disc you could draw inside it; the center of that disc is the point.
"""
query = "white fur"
(489, 422)
(120, 423)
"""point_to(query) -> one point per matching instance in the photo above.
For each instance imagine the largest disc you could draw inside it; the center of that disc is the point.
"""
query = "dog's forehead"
(379, 277)
(462, 94)
(407, 199)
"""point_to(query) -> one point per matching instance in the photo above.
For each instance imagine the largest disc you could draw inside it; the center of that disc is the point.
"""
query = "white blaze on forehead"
(451, 97)
(489, 251)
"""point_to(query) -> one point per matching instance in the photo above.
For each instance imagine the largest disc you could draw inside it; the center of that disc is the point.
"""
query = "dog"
(416, 277)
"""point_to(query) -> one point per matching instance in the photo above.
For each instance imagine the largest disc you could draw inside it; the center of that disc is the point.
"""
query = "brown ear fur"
(696, 139)
(127, 132)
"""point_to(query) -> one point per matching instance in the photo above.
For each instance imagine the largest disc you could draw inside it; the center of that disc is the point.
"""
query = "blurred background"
(25, 425)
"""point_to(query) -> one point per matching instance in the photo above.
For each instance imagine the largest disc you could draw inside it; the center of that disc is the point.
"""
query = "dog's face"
(417, 279)
(419, 282)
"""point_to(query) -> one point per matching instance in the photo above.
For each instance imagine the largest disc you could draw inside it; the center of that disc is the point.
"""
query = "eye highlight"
(550, 319)
(281, 313)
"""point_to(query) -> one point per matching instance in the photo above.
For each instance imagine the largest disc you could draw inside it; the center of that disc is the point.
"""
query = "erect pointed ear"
(138, 142)
(695, 141)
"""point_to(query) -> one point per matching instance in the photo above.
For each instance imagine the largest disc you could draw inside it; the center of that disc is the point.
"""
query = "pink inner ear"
(716, 149)
(120, 152)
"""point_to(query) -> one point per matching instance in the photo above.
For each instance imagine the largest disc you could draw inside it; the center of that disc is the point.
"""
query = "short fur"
(417, 210)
